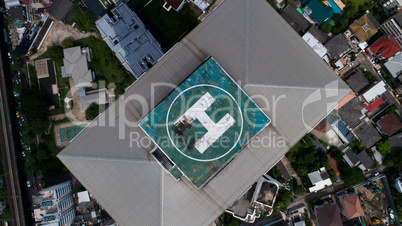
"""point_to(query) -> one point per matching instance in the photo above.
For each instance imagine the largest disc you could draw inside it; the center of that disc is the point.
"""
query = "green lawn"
(167, 26)
(358, 3)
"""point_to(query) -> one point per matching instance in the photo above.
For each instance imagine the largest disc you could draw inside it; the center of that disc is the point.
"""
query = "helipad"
(203, 124)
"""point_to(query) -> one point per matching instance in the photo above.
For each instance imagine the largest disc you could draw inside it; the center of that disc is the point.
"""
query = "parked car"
(28, 183)
(24, 153)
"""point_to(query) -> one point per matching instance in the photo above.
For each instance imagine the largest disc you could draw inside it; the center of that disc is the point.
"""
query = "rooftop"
(318, 11)
(60, 8)
(328, 215)
(365, 27)
(368, 134)
(374, 92)
(48, 80)
(294, 18)
(351, 112)
(390, 124)
(357, 81)
(316, 45)
(259, 61)
(337, 45)
(371, 107)
(394, 65)
(352, 207)
(76, 66)
(365, 160)
(127, 37)
(386, 46)
(350, 157)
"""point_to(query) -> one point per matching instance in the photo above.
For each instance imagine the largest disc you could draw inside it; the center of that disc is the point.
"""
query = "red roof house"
(386, 46)
(390, 124)
(351, 206)
(321, 128)
(374, 105)
(328, 215)
(175, 4)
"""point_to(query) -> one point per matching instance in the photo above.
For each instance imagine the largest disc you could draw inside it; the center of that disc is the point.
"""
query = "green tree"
(298, 190)
(335, 153)
(383, 147)
(30, 164)
(6, 215)
(283, 199)
(67, 43)
(369, 75)
(92, 111)
(56, 54)
(352, 175)
(228, 219)
(326, 27)
(34, 104)
(356, 146)
(39, 126)
(16, 66)
(14, 55)
(4, 195)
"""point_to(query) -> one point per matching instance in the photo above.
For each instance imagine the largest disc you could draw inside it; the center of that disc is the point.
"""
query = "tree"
(369, 75)
(326, 27)
(56, 54)
(34, 104)
(298, 190)
(335, 153)
(6, 215)
(14, 55)
(92, 111)
(356, 146)
(352, 175)
(16, 66)
(67, 43)
(383, 147)
(228, 219)
(283, 199)
(31, 164)
(39, 126)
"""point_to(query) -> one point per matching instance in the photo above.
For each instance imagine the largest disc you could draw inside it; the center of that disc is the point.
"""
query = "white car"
(28, 183)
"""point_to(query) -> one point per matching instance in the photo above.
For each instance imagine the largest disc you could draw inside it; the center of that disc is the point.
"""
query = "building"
(127, 37)
(346, 100)
(16, 14)
(337, 46)
(365, 161)
(365, 27)
(328, 214)
(374, 92)
(294, 16)
(320, 179)
(390, 6)
(284, 171)
(316, 45)
(352, 112)
(374, 105)
(351, 207)
(342, 131)
(333, 164)
(398, 184)
(394, 65)
(59, 9)
(367, 134)
(319, 12)
(357, 81)
(385, 47)
(146, 188)
(322, 128)
(257, 201)
(47, 79)
(175, 4)
(96, 7)
(393, 28)
(54, 205)
(390, 124)
(350, 157)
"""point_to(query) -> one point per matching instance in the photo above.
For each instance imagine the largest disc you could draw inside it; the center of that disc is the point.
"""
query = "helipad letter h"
(215, 130)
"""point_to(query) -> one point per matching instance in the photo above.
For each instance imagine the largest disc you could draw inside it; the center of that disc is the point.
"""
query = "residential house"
(385, 47)
(398, 184)
(11, 3)
(393, 27)
(294, 16)
(350, 157)
(76, 66)
(322, 128)
(320, 179)
(333, 164)
(96, 7)
(390, 124)
(352, 112)
(365, 161)
(351, 207)
(59, 9)
(318, 34)
(367, 134)
(319, 12)
(337, 46)
(365, 27)
(374, 92)
(342, 131)
(390, 6)
(16, 14)
(328, 214)
(46, 73)
(317, 46)
(345, 100)
(394, 65)
(357, 81)
(258, 200)
(127, 37)
(284, 172)
(374, 105)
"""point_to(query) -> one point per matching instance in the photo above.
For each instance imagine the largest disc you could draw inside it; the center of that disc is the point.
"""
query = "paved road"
(9, 158)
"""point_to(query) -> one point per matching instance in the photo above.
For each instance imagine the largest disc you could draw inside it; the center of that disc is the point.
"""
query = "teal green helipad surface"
(204, 123)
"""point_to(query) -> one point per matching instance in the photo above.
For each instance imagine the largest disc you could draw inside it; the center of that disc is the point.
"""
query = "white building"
(55, 205)
(374, 92)
(398, 184)
(320, 179)
(317, 46)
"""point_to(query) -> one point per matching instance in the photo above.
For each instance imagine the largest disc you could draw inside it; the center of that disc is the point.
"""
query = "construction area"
(374, 203)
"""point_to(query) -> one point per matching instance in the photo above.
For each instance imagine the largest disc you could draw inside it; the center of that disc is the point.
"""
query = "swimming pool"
(68, 133)
(335, 7)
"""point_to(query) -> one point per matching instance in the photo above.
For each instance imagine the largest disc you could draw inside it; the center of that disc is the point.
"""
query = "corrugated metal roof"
(280, 72)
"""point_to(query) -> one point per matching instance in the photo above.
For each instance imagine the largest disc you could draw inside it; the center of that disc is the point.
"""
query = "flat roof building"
(120, 170)
(127, 37)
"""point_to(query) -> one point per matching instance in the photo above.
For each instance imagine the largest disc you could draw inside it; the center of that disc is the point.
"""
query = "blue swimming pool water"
(335, 7)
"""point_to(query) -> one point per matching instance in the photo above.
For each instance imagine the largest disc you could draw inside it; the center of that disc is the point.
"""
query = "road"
(9, 158)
